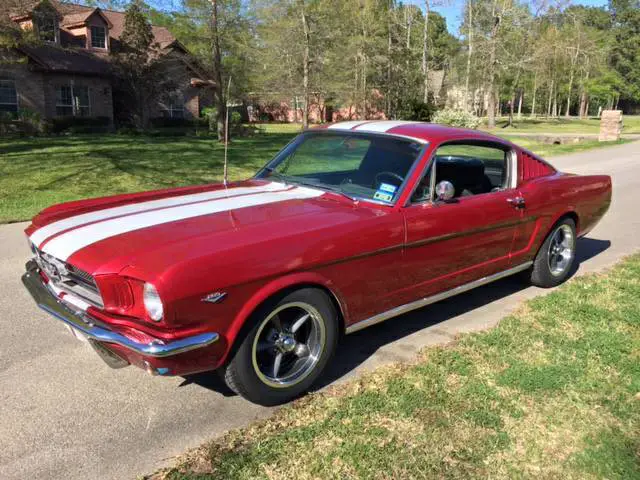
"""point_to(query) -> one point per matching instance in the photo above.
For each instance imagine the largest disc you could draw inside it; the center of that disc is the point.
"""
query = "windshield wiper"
(327, 187)
(344, 194)
(278, 175)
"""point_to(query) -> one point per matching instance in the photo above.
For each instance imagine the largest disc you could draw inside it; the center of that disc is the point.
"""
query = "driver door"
(469, 237)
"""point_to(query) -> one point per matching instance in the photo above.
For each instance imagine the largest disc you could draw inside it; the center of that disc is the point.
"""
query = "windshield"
(360, 166)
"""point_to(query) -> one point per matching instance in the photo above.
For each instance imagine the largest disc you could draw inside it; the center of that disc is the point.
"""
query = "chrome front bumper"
(98, 332)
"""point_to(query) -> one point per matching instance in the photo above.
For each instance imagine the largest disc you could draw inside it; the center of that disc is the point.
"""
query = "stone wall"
(610, 125)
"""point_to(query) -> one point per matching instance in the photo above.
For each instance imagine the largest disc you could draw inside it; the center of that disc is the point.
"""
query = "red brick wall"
(99, 93)
(29, 86)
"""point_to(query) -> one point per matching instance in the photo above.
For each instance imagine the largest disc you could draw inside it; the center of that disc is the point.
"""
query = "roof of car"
(420, 131)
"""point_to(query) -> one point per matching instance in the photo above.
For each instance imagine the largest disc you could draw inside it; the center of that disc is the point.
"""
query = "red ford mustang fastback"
(346, 227)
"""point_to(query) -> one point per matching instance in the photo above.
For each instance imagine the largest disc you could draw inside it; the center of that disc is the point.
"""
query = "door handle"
(516, 202)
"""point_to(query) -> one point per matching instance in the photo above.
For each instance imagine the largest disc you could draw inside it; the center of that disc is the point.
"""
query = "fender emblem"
(215, 297)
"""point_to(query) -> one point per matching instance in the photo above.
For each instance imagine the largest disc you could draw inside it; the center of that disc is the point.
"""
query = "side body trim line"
(394, 312)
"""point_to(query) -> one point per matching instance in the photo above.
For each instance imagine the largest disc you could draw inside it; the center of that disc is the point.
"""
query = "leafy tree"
(140, 67)
(626, 49)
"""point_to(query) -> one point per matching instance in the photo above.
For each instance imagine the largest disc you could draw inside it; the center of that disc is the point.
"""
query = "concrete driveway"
(65, 414)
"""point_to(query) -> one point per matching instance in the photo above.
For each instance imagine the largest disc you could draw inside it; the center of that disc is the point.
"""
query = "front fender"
(268, 290)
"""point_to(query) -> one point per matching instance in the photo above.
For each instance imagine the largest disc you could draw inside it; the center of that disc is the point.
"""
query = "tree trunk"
(217, 67)
(533, 101)
(356, 84)
(425, 54)
(469, 53)
(388, 113)
(568, 110)
(409, 22)
(584, 98)
(550, 99)
(520, 104)
(305, 67)
(491, 107)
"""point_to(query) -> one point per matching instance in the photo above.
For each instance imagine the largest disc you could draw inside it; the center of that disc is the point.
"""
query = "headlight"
(152, 302)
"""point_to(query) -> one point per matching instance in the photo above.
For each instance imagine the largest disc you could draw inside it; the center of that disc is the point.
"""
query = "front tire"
(286, 350)
(556, 256)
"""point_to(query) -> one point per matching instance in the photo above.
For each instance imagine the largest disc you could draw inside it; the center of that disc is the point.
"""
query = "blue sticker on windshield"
(388, 188)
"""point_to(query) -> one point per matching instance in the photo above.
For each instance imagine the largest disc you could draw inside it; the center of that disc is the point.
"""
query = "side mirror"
(445, 191)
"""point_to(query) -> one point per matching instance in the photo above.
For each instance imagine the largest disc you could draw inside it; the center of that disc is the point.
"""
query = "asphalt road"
(65, 414)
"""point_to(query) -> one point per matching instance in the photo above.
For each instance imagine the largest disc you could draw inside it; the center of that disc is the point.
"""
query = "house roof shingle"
(161, 35)
(65, 58)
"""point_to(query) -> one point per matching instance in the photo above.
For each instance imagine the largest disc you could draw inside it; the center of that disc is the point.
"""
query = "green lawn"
(38, 172)
(631, 124)
(547, 150)
(552, 392)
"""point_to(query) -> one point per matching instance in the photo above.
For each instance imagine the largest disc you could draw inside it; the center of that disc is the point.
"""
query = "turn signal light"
(117, 293)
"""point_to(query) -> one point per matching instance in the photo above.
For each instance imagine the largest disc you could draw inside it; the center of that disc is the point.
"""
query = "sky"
(452, 10)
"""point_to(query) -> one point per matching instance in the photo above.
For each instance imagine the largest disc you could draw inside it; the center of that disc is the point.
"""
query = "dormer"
(92, 27)
(44, 19)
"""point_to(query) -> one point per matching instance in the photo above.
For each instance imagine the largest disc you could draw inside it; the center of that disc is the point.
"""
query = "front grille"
(81, 276)
(69, 278)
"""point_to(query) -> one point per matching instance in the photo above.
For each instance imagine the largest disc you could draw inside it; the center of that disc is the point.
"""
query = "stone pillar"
(610, 125)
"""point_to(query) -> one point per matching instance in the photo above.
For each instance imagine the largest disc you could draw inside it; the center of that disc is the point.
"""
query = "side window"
(472, 169)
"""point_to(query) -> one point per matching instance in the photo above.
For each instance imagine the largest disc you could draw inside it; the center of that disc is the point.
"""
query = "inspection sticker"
(387, 188)
(385, 197)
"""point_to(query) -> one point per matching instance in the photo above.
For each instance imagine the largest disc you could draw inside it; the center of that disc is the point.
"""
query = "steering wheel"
(377, 181)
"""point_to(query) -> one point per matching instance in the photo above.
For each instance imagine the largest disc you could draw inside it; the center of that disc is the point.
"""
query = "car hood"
(145, 233)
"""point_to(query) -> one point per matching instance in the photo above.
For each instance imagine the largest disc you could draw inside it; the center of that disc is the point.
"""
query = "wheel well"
(246, 327)
(573, 216)
(330, 294)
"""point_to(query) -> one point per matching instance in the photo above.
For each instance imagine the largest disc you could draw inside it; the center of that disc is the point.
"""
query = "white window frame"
(106, 37)
(175, 104)
(15, 89)
(75, 104)
(56, 28)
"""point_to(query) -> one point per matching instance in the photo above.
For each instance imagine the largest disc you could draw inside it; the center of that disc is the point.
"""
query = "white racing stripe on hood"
(48, 231)
(66, 244)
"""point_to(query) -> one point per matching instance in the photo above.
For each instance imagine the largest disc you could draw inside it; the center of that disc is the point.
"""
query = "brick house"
(68, 73)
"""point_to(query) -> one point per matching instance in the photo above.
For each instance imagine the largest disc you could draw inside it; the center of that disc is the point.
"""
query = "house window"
(47, 28)
(8, 96)
(175, 105)
(72, 100)
(98, 37)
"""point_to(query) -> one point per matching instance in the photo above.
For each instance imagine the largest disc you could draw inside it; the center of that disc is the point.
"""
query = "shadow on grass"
(356, 348)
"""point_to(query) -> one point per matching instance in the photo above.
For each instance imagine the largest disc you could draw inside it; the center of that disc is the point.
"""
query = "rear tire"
(291, 342)
(556, 256)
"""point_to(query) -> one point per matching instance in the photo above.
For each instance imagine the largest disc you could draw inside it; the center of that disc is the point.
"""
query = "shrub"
(417, 110)
(164, 122)
(78, 125)
(24, 123)
(456, 118)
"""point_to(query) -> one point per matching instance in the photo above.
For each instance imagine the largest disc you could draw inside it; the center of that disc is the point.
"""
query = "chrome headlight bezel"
(152, 302)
